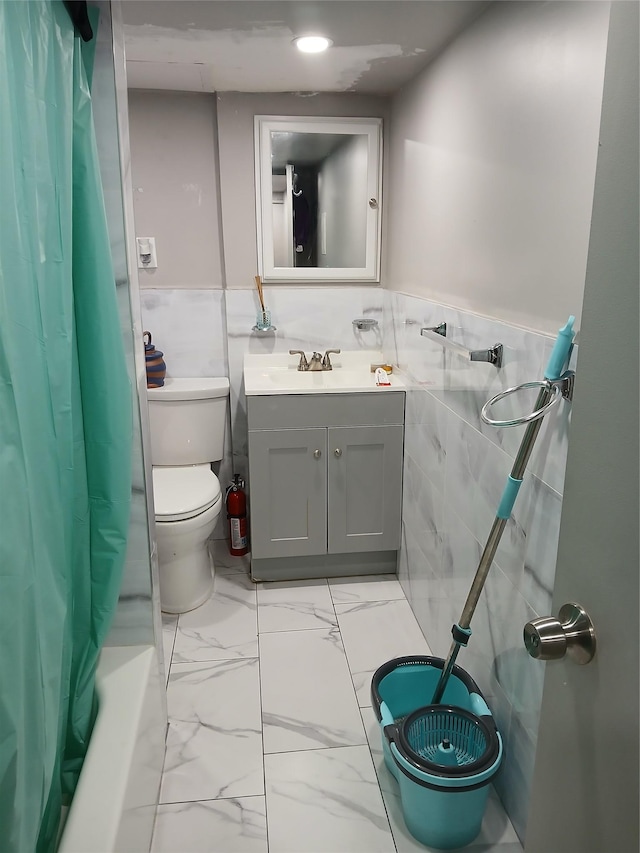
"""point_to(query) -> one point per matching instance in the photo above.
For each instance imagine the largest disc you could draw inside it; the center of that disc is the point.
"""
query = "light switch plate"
(146, 249)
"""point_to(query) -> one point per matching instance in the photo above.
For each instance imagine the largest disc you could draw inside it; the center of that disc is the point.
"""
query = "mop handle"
(462, 630)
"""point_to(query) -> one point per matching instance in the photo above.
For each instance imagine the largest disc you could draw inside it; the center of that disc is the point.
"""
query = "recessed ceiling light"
(312, 44)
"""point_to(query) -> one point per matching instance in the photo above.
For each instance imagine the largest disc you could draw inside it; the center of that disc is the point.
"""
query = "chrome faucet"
(316, 362)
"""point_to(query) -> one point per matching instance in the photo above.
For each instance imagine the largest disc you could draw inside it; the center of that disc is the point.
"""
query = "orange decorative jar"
(154, 362)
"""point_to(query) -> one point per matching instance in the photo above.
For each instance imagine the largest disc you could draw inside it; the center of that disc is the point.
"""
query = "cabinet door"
(288, 488)
(365, 488)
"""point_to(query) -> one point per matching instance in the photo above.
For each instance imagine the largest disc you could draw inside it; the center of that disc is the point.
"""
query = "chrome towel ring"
(525, 419)
(558, 388)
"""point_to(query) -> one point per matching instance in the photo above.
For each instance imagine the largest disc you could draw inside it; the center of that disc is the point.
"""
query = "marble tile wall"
(455, 471)
(208, 332)
(189, 327)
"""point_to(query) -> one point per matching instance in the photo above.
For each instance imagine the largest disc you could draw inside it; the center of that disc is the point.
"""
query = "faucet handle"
(326, 361)
(303, 363)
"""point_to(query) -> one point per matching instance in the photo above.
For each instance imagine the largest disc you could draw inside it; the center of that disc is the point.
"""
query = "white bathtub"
(115, 802)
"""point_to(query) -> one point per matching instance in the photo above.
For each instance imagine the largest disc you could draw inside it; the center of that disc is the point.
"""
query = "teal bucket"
(442, 756)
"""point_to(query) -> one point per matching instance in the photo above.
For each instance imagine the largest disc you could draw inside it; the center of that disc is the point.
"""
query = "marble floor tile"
(214, 743)
(374, 632)
(224, 563)
(212, 826)
(308, 700)
(169, 627)
(325, 800)
(497, 833)
(222, 628)
(351, 590)
(322, 793)
(294, 605)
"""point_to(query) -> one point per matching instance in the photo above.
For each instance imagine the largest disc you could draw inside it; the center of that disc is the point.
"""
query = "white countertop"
(278, 374)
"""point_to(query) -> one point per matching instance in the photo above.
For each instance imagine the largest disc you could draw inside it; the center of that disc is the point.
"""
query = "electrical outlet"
(147, 258)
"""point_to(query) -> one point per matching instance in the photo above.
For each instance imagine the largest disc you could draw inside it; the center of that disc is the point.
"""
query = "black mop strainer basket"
(448, 741)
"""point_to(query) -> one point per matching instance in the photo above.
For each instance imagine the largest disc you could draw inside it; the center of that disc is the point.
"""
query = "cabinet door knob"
(337, 453)
(317, 454)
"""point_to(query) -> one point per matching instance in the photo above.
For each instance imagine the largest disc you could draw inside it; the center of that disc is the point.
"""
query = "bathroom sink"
(278, 374)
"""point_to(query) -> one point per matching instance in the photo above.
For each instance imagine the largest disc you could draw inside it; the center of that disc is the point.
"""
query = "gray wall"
(175, 186)
(493, 154)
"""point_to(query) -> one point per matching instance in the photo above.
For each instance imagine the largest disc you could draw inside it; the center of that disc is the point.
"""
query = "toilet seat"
(184, 492)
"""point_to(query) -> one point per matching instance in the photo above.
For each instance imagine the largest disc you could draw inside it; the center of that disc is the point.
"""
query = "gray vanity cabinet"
(325, 483)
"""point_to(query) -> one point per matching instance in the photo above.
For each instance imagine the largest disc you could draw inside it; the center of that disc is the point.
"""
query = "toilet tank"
(187, 420)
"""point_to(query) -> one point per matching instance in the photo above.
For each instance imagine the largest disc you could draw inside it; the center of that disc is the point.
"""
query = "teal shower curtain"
(65, 421)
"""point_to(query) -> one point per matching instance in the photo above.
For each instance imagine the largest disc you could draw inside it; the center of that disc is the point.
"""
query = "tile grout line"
(213, 800)
(166, 734)
(375, 770)
(299, 630)
(169, 664)
(344, 649)
(367, 744)
(215, 660)
(264, 768)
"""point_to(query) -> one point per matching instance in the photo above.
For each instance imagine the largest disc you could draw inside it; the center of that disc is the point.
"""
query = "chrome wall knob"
(572, 633)
(337, 453)
(317, 454)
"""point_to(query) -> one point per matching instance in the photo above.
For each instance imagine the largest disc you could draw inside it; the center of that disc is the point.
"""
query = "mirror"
(318, 198)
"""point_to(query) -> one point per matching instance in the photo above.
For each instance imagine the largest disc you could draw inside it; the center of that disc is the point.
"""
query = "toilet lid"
(180, 493)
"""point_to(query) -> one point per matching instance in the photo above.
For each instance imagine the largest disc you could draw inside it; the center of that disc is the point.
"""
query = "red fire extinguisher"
(237, 515)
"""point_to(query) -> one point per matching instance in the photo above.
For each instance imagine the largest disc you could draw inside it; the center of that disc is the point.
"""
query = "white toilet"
(187, 420)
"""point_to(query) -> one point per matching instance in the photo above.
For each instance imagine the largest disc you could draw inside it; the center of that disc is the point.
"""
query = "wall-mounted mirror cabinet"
(318, 193)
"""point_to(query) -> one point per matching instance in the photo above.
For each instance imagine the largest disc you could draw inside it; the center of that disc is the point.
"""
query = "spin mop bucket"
(442, 756)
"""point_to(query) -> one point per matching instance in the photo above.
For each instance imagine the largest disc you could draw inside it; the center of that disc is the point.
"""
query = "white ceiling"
(245, 45)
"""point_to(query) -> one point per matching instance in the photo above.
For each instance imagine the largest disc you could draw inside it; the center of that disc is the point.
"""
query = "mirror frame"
(372, 128)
